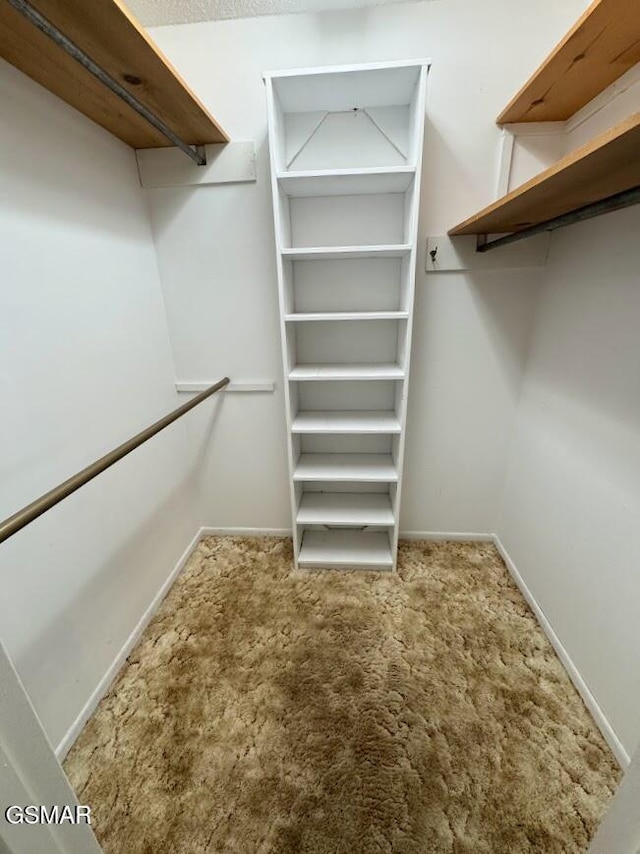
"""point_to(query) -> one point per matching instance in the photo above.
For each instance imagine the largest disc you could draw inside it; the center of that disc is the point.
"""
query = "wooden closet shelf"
(600, 48)
(605, 166)
(107, 32)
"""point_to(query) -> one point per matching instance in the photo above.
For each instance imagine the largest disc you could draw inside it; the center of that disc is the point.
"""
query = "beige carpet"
(267, 712)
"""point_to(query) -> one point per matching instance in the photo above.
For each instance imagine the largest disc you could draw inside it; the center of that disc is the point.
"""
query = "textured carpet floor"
(267, 712)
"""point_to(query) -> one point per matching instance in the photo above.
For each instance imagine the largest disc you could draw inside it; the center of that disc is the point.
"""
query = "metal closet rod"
(45, 26)
(613, 203)
(23, 517)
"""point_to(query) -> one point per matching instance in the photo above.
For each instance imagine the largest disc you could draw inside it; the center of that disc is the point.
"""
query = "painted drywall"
(620, 828)
(85, 363)
(570, 513)
(215, 250)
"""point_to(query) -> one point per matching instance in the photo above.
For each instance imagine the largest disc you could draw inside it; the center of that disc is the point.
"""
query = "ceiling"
(152, 13)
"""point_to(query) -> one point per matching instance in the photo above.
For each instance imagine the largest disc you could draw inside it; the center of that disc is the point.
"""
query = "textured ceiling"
(154, 13)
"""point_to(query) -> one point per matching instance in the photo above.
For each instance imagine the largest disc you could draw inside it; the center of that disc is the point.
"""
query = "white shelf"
(305, 317)
(329, 253)
(344, 86)
(346, 549)
(345, 149)
(347, 182)
(346, 422)
(345, 508)
(371, 468)
(359, 371)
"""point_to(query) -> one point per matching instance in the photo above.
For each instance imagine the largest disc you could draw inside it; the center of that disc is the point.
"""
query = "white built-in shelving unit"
(346, 151)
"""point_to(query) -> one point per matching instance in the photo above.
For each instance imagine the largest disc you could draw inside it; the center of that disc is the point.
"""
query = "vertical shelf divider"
(346, 192)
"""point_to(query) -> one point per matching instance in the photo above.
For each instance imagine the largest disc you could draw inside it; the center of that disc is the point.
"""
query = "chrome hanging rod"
(23, 517)
(612, 203)
(196, 153)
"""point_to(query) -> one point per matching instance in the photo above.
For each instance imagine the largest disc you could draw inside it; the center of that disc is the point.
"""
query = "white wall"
(216, 252)
(570, 514)
(85, 362)
(620, 828)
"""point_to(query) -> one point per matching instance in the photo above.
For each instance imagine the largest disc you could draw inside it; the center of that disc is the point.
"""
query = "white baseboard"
(581, 686)
(105, 683)
(452, 536)
(245, 532)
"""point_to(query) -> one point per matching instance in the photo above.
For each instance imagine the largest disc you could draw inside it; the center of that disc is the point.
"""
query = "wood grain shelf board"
(603, 167)
(110, 35)
(345, 549)
(600, 48)
(345, 508)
